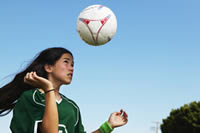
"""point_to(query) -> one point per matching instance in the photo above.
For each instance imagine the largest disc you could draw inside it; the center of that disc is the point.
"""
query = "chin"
(67, 82)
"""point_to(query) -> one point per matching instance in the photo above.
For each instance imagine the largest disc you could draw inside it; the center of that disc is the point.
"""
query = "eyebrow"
(66, 58)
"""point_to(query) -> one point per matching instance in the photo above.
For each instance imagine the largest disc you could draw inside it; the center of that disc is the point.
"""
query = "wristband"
(106, 128)
(49, 91)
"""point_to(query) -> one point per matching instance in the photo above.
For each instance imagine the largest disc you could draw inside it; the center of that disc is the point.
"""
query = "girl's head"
(52, 63)
(55, 64)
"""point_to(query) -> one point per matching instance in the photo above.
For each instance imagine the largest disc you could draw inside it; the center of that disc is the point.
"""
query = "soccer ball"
(96, 25)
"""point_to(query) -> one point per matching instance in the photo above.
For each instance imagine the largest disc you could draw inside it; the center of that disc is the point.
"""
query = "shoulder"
(69, 101)
(32, 96)
(25, 100)
(27, 94)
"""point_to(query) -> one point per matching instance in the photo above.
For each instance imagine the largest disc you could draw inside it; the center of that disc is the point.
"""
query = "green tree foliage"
(186, 119)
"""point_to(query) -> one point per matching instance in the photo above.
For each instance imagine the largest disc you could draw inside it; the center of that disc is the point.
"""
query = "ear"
(48, 68)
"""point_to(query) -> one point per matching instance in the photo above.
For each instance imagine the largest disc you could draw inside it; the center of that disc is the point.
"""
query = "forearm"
(50, 118)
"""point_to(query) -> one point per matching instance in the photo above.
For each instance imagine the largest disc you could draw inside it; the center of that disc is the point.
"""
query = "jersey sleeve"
(27, 114)
(79, 126)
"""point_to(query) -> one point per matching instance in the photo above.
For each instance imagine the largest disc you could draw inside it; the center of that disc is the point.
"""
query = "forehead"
(66, 56)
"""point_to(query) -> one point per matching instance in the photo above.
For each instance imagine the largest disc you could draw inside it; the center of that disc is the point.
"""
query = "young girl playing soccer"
(37, 105)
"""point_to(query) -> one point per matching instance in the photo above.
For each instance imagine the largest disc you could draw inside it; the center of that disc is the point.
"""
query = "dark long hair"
(10, 92)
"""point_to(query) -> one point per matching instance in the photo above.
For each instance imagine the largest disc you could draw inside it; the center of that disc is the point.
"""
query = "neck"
(56, 84)
(57, 94)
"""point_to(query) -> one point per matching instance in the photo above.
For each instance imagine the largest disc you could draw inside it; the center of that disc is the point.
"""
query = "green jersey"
(29, 110)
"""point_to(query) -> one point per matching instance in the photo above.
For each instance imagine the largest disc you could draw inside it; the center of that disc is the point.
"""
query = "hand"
(118, 119)
(33, 79)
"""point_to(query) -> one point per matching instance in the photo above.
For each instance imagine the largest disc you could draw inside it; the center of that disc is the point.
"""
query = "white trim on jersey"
(36, 125)
(59, 125)
(59, 101)
(35, 100)
(76, 108)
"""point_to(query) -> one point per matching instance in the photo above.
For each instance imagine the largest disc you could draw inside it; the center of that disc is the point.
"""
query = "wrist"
(50, 90)
(111, 125)
(106, 128)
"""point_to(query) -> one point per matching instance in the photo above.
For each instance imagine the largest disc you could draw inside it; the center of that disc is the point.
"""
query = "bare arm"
(50, 119)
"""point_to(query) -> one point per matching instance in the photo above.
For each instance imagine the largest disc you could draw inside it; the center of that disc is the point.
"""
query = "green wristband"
(106, 128)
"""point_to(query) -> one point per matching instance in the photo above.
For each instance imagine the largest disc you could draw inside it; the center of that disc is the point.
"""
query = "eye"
(66, 61)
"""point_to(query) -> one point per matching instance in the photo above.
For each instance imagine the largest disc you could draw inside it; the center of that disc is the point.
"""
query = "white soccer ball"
(96, 25)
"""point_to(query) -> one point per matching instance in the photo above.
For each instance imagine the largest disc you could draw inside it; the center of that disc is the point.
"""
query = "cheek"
(61, 68)
(60, 71)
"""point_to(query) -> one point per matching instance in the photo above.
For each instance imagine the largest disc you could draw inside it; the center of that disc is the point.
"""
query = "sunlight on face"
(62, 71)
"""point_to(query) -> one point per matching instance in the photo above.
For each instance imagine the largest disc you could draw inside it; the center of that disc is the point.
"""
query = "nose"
(71, 68)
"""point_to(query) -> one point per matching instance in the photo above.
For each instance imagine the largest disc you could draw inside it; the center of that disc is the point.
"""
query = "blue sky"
(150, 66)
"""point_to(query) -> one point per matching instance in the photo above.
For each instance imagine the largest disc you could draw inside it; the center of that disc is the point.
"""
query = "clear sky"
(150, 66)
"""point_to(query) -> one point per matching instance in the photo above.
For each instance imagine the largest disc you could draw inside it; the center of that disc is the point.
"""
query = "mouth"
(70, 75)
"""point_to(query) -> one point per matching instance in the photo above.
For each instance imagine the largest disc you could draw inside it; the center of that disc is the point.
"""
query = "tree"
(186, 119)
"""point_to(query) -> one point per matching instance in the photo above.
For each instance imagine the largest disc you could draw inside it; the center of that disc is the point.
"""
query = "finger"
(32, 74)
(117, 113)
(36, 76)
(26, 77)
(27, 80)
(121, 112)
(30, 78)
(125, 115)
(125, 120)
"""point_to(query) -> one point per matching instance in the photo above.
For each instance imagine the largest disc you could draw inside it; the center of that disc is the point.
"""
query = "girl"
(37, 105)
